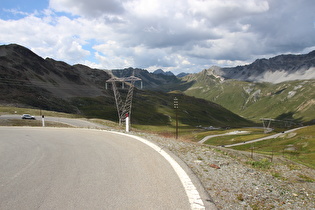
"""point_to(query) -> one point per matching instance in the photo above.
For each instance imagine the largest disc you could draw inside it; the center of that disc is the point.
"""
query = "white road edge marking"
(191, 191)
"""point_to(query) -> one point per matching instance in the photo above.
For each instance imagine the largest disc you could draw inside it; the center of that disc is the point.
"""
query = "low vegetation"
(257, 100)
(32, 123)
(261, 164)
(297, 146)
(7, 110)
(249, 134)
(156, 109)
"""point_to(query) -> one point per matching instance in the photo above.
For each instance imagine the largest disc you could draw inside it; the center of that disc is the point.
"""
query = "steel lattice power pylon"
(123, 108)
(267, 128)
(285, 123)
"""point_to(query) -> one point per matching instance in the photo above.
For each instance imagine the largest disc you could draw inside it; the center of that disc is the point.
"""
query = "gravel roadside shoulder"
(232, 181)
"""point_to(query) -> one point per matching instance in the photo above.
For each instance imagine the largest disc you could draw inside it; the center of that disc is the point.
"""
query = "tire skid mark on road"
(37, 158)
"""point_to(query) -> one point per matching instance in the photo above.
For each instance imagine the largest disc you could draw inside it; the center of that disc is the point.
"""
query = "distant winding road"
(244, 132)
(263, 138)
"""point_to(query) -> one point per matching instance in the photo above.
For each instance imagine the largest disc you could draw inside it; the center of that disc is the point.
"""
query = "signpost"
(176, 118)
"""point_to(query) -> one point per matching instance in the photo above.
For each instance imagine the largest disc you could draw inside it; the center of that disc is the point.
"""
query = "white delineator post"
(127, 122)
(43, 120)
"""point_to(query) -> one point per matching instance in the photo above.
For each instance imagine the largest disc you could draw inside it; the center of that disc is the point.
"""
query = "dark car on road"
(28, 117)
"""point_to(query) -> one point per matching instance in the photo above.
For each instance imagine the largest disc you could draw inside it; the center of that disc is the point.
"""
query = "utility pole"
(124, 108)
(176, 116)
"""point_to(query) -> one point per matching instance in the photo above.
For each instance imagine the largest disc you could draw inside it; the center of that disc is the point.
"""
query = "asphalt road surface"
(80, 123)
(70, 168)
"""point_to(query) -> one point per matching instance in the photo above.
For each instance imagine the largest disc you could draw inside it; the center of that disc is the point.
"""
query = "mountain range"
(280, 87)
(274, 70)
(169, 73)
(291, 100)
(160, 71)
(27, 80)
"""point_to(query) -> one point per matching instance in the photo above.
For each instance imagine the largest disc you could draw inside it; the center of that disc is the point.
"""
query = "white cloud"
(220, 11)
(47, 37)
(16, 12)
(87, 8)
(177, 35)
(114, 62)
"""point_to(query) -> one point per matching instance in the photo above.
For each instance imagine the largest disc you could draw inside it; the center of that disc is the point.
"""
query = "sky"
(173, 35)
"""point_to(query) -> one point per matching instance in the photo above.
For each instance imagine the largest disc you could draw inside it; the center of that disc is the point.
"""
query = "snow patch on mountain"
(274, 70)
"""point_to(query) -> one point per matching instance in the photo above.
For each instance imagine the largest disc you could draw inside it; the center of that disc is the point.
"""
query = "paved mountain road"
(70, 168)
(80, 123)
(262, 139)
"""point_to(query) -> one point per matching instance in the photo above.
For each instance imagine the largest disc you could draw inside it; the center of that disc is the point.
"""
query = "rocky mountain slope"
(274, 70)
(281, 88)
(290, 100)
(160, 71)
(26, 78)
(20, 66)
(151, 81)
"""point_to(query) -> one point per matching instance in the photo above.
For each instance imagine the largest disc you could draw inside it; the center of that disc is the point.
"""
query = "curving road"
(263, 138)
(224, 134)
(80, 123)
(70, 168)
(245, 132)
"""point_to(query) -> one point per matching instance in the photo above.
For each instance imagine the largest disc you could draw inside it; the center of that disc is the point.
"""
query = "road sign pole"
(176, 124)
(176, 116)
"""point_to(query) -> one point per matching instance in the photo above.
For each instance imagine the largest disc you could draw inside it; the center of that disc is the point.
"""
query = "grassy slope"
(298, 146)
(156, 109)
(288, 100)
(253, 133)
(35, 123)
(303, 140)
(8, 110)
